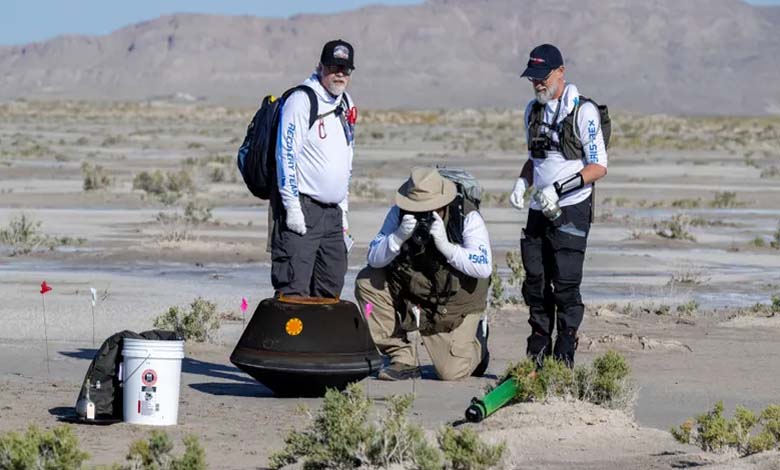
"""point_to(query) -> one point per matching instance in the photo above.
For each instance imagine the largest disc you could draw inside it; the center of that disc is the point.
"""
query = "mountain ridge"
(660, 56)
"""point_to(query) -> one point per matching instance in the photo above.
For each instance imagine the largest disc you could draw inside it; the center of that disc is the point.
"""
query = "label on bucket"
(148, 403)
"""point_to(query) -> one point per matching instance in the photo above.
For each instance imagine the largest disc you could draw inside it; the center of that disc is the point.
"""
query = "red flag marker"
(44, 289)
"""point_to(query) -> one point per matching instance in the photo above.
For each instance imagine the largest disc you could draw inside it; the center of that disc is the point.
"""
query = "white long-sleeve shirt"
(314, 161)
(555, 166)
(472, 258)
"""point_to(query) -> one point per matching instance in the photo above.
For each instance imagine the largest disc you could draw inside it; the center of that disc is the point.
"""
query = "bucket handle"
(139, 366)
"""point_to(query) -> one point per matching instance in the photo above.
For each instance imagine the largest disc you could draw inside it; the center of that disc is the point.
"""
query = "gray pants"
(314, 264)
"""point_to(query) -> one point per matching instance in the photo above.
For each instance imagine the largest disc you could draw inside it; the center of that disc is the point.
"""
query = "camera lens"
(422, 231)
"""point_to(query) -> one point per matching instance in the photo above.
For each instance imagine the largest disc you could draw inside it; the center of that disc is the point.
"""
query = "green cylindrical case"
(498, 397)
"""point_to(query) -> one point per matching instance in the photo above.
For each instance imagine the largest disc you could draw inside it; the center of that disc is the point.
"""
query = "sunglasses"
(344, 69)
(541, 80)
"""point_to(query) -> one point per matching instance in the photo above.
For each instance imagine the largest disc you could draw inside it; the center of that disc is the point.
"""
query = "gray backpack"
(467, 185)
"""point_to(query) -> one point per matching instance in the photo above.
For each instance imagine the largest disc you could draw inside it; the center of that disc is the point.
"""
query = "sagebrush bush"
(57, 449)
(676, 228)
(23, 234)
(713, 432)
(199, 323)
(153, 183)
(514, 261)
(496, 289)
(197, 212)
(464, 450)
(609, 380)
(95, 177)
(154, 453)
(605, 382)
(167, 187)
(366, 189)
(725, 199)
(529, 387)
(342, 436)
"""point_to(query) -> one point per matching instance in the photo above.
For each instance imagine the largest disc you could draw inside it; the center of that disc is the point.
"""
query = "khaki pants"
(455, 354)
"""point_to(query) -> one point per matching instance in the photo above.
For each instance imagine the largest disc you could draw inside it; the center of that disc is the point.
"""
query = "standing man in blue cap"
(567, 154)
(314, 164)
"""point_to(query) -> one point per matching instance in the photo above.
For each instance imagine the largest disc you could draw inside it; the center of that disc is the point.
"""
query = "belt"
(305, 197)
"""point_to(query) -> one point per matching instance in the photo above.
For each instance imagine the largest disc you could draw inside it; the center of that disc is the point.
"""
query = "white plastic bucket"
(151, 372)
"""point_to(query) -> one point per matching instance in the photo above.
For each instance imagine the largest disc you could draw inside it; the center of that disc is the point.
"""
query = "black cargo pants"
(310, 265)
(553, 253)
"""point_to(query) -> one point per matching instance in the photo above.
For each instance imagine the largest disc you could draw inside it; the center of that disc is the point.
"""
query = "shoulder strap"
(536, 112)
(582, 100)
(313, 101)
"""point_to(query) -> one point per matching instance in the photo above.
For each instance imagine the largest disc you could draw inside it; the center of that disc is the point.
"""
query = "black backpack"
(257, 155)
(102, 377)
(605, 120)
(570, 145)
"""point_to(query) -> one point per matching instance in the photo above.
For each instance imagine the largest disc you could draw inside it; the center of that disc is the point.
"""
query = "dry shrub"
(343, 436)
(606, 382)
(200, 323)
(154, 453)
(676, 228)
(95, 177)
(713, 432)
(35, 449)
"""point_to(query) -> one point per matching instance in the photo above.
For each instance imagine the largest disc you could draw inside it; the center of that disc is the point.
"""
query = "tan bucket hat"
(424, 191)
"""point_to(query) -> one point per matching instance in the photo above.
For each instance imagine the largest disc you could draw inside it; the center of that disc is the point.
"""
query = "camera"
(539, 145)
(422, 231)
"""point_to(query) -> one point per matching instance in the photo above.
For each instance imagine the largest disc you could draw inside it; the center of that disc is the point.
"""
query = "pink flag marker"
(244, 305)
(369, 309)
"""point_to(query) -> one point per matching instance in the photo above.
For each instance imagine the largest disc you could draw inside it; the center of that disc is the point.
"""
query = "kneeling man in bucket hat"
(428, 271)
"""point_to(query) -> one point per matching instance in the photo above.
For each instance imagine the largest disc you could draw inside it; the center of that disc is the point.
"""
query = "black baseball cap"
(338, 52)
(543, 60)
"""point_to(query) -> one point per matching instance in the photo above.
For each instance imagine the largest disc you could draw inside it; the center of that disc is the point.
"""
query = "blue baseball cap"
(543, 60)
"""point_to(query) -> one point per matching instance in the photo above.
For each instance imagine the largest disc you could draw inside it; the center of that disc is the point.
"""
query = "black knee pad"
(565, 346)
(539, 347)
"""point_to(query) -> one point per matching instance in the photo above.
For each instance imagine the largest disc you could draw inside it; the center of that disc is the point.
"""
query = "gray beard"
(336, 90)
(545, 96)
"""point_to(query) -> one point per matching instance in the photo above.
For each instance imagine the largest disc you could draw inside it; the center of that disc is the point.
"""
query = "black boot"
(483, 341)
(565, 346)
(539, 347)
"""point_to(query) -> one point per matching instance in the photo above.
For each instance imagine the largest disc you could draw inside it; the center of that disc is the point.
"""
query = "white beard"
(547, 94)
(336, 89)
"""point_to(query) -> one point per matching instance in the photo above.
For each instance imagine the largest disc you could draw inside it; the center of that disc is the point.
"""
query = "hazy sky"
(23, 21)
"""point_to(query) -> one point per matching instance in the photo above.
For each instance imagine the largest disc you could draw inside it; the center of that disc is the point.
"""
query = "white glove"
(344, 222)
(439, 235)
(518, 193)
(405, 229)
(295, 220)
(547, 199)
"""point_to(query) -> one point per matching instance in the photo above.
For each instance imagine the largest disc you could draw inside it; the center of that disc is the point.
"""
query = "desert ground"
(682, 264)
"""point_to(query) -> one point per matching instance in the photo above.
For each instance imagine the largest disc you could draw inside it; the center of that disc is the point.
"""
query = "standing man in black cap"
(314, 164)
(567, 154)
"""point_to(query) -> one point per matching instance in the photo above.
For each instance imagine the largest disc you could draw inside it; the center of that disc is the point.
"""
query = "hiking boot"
(483, 331)
(398, 371)
(539, 347)
(565, 346)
